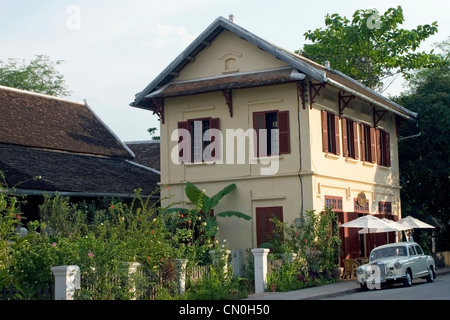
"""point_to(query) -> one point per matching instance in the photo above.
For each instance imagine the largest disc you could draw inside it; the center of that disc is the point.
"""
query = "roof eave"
(204, 39)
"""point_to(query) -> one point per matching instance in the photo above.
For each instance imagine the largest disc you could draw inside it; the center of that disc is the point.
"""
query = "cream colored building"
(335, 143)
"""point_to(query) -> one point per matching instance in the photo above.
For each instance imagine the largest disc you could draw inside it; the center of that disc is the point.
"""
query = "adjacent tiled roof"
(73, 173)
(68, 146)
(312, 70)
(146, 152)
(41, 121)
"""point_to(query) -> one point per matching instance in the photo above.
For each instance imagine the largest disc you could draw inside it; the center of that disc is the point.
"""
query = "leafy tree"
(38, 75)
(152, 132)
(425, 159)
(371, 46)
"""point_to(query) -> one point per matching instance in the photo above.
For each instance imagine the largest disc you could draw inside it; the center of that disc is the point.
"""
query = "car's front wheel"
(364, 286)
(407, 281)
(431, 275)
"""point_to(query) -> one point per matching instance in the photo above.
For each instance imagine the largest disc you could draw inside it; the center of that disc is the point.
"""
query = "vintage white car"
(395, 262)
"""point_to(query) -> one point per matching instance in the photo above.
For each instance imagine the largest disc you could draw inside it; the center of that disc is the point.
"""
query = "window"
(384, 207)
(368, 144)
(265, 227)
(361, 209)
(335, 203)
(349, 138)
(272, 132)
(418, 249)
(200, 137)
(383, 148)
(330, 133)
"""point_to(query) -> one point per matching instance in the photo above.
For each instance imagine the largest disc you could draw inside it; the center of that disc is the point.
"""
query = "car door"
(421, 261)
(414, 262)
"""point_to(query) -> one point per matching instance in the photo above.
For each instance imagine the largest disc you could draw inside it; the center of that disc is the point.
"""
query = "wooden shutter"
(336, 135)
(387, 148)
(378, 145)
(324, 131)
(181, 155)
(283, 128)
(259, 122)
(355, 139)
(373, 145)
(264, 227)
(344, 138)
(363, 142)
(214, 124)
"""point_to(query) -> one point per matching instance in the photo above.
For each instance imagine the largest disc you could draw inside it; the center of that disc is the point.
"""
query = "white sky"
(117, 47)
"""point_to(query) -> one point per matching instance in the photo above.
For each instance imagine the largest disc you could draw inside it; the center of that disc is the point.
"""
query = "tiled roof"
(73, 173)
(37, 120)
(68, 146)
(147, 153)
(312, 70)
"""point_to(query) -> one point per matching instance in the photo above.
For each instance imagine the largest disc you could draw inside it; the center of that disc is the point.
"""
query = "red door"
(265, 227)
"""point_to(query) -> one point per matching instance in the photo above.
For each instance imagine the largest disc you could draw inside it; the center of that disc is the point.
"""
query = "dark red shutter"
(214, 124)
(264, 227)
(182, 156)
(336, 135)
(362, 132)
(378, 144)
(387, 146)
(373, 145)
(355, 139)
(324, 131)
(259, 122)
(344, 138)
(284, 136)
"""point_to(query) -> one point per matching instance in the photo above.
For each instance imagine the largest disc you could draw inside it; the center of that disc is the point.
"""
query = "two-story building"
(293, 135)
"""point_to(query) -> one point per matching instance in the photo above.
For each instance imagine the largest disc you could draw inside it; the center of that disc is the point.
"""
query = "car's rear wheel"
(407, 281)
(431, 275)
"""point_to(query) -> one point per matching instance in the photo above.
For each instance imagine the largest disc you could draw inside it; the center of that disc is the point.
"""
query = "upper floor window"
(384, 207)
(349, 138)
(361, 209)
(201, 145)
(368, 143)
(383, 148)
(335, 203)
(330, 133)
(272, 132)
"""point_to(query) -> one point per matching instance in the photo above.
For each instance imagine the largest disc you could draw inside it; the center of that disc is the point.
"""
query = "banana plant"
(206, 204)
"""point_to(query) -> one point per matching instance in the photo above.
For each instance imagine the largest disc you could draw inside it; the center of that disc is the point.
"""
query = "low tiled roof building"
(49, 145)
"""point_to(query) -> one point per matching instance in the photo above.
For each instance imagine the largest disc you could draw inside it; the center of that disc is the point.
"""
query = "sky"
(112, 49)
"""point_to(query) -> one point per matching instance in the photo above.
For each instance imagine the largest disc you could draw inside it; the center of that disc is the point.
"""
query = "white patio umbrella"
(393, 226)
(370, 223)
(367, 221)
(414, 223)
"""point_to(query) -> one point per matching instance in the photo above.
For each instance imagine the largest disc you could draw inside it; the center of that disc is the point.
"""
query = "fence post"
(132, 268)
(67, 279)
(260, 256)
(181, 274)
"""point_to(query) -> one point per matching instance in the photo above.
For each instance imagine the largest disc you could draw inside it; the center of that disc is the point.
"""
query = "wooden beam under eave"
(159, 108)
(228, 100)
(377, 116)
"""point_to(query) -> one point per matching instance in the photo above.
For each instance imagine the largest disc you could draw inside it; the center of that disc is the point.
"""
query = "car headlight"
(397, 265)
(359, 270)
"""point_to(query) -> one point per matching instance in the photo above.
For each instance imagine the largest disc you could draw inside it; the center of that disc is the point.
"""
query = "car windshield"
(388, 252)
